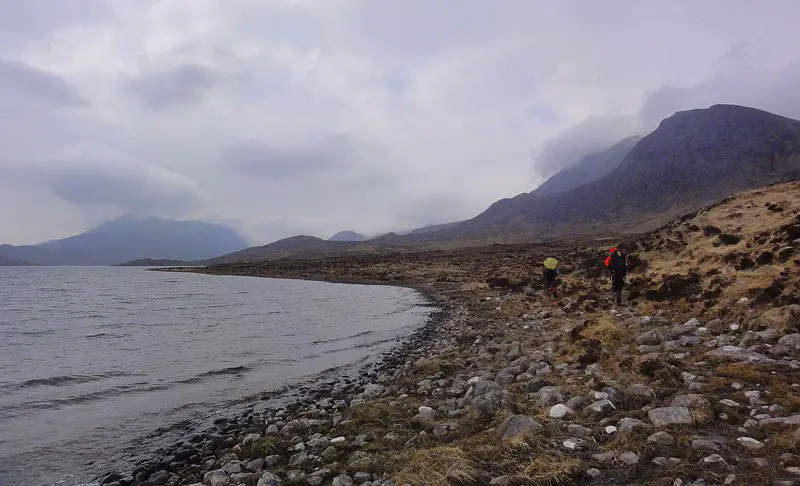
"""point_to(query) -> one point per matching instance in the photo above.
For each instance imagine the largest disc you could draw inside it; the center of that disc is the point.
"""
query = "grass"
(547, 470)
(265, 446)
(435, 466)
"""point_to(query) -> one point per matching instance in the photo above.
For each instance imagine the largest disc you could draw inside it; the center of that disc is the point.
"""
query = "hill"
(14, 262)
(693, 158)
(347, 236)
(589, 169)
(151, 262)
(129, 238)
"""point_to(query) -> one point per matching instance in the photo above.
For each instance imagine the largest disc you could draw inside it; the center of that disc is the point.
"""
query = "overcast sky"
(311, 116)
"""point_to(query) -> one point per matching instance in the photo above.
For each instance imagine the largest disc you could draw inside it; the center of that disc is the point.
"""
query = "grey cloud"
(182, 85)
(282, 162)
(20, 80)
(29, 21)
(97, 180)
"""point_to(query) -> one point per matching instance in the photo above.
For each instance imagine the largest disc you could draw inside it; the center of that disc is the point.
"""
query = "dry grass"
(265, 446)
(549, 470)
(783, 443)
(436, 466)
(748, 373)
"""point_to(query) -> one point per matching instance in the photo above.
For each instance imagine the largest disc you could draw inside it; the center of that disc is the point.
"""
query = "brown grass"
(265, 446)
(436, 466)
(549, 470)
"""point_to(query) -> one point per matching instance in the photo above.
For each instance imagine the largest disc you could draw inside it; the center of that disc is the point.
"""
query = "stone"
(216, 478)
(362, 477)
(559, 411)
(159, 477)
(600, 407)
(729, 404)
(666, 462)
(781, 422)
(501, 481)
(338, 442)
(605, 457)
(649, 338)
(593, 472)
(691, 401)
(578, 430)
(343, 480)
(549, 396)
(425, 418)
(517, 426)
(610, 429)
(717, 327)
(629, 458)
(269, 479)
(641, 391)
(627, 425)
(735, 353)
(661, 417)
(661, 439)
(715, 461)
(791, 341)
(250, 439)
(702, 445)
(750, 443)
(298, 460)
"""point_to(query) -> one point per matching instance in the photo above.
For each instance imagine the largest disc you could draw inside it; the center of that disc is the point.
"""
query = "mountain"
(14, 262)
(693, 158)
(347, 236)
(589, 169)
(150, 262)
(129, 238)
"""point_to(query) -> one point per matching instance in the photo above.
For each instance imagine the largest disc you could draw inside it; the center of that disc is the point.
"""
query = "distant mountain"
(433, 228)
(14, 262)
(150, 262)
(588, 169)
(693, 158)
(129, 238)
(347, 236)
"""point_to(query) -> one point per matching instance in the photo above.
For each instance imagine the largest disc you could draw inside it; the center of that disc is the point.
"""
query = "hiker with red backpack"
(617, 264)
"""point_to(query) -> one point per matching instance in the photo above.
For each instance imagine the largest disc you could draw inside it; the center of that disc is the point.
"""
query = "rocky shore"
(694, 381)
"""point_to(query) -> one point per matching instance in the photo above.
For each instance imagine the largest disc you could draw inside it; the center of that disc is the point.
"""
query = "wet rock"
(216, 478)
(661, 439)
(559, 411)
(517, 426)
(691, 401)
(661, 417)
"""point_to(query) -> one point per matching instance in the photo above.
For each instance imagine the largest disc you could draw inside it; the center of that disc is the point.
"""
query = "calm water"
(93, 358)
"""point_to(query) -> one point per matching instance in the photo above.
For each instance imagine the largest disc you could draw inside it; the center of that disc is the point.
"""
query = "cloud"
(92, 177)
(308, 116)
(174, 87)
(20, 80)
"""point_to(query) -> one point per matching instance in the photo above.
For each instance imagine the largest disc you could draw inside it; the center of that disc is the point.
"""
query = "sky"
(284, 117)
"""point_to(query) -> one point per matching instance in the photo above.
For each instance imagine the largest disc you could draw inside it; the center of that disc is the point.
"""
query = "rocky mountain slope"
(130, 238)
(589, 169)
(694, 381)
(693, 158)
(347, 236)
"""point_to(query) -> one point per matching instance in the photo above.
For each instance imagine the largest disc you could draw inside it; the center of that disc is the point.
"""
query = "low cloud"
(182, 85)
(22, 81)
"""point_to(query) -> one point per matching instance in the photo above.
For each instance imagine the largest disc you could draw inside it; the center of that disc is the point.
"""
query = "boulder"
(661, 439)
(516, 426)
(559, 411)
(661, 417)
(735, 353)
(691, 401)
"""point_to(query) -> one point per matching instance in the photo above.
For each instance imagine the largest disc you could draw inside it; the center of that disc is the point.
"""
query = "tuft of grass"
(436, 466)
(265, 446)
(550, 470)
(779, 444)
(749, 373)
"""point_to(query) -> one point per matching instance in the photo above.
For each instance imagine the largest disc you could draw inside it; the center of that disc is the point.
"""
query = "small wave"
(43, 332)
(334, 340)
(65, 380)
(234, 370)
(106, 335)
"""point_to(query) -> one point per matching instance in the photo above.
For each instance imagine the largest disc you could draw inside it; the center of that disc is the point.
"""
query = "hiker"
(550, 275)
(617, 264)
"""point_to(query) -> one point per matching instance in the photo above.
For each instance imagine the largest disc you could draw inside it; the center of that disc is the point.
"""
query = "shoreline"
(292, 397)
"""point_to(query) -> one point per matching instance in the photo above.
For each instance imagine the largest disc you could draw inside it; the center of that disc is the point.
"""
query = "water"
(94, 360)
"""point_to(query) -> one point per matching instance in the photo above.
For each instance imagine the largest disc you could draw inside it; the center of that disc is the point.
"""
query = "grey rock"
(649, 338)
(781, 422)
(576, 430)
(575, 403)
(315, 480)
(680, 330)
(295, 476)
(159, 477)
(735, 353)
(661, 417)
(717, 327)
(250, 439)
(272, 461)
(559, 411)
(661, 439)
(791, 341)
(605, 457)
(255, 465)
(593, 472)
(715, 461)
(759, 462)
(641, 391)
(549, 396)
(216, 478)
(517, 426)
(750, 443)
(372, 391)
(628, 425)
(298, 460)
(629, 458)
(702, 445)
(234, 467)
(343, 480)
(666, 462)
(600, 407)
(691, 401)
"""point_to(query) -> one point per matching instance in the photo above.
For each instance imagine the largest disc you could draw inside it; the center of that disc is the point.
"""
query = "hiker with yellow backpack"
(550, 275)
